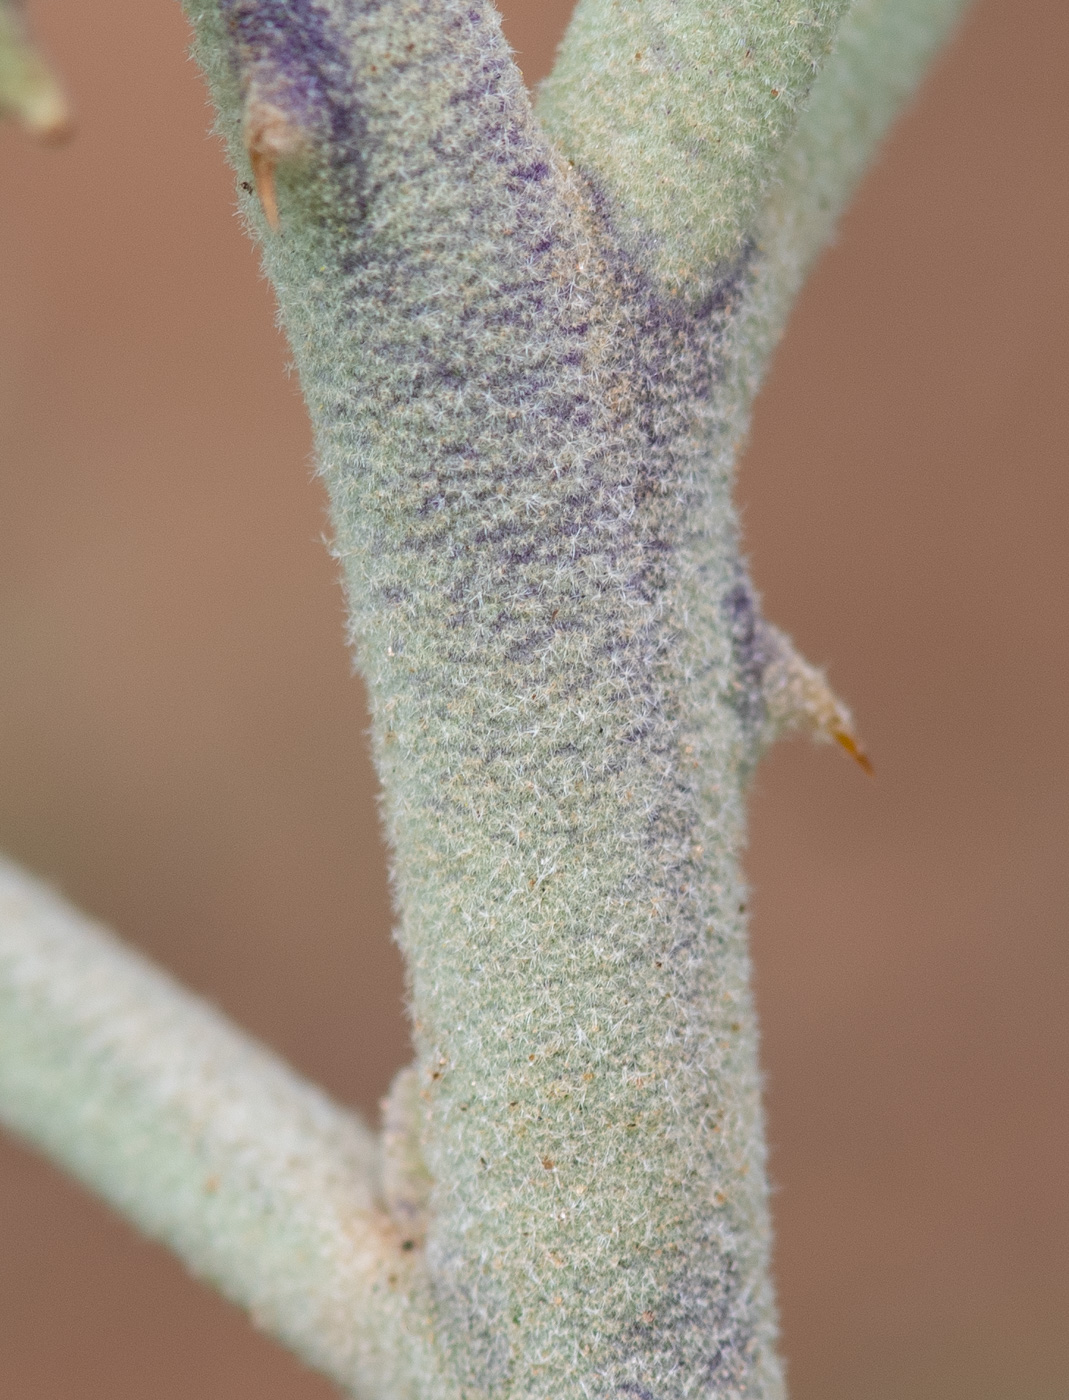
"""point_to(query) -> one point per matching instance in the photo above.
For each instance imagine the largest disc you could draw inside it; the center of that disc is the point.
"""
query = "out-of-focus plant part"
(30, 91)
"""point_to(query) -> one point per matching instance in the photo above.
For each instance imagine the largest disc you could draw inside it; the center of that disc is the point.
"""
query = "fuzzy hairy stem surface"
(528, 380)
(550, 612)
(678, 112)
(514, 417)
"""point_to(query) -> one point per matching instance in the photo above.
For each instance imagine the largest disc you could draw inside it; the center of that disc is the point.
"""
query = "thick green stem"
(520, 416)
(514, 421)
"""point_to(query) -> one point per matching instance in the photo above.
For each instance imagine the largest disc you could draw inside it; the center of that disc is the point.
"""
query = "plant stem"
(529, 380)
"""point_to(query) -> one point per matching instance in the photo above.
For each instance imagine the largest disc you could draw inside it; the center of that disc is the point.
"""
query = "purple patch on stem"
(289, 54)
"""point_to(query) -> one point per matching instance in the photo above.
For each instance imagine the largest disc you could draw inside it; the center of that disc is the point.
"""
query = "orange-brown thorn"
(263, 173)
(271, 136)
(854, 749)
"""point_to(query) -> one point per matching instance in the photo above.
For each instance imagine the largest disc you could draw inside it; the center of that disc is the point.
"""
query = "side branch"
(202, 1138)
(678, 110)
(884, 49)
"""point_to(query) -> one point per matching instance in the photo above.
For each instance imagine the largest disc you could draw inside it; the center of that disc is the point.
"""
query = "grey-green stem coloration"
(529, 346)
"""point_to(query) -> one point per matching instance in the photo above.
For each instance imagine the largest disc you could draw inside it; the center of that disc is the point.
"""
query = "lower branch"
(204, 1139)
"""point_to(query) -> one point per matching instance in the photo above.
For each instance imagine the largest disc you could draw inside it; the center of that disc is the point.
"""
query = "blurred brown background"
(182, 745)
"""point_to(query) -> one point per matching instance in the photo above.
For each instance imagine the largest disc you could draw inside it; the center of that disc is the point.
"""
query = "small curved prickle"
(798, 696)
(29, 90)
(270, 137)
(297, 92)
(858, 754)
